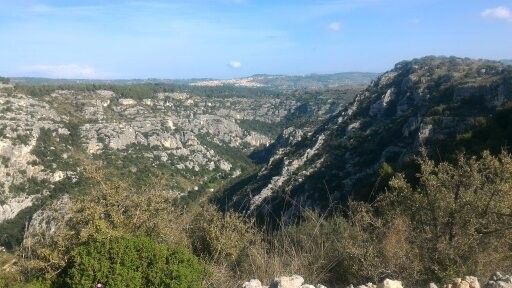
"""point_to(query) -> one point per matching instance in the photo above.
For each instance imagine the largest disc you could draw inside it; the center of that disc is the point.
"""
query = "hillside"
(433, 102)
(187, 140)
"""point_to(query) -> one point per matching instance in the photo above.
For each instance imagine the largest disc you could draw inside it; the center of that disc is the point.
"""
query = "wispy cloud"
(499, 13)
(235, 64)
(415, 20)
(335, 26)
(60, 71)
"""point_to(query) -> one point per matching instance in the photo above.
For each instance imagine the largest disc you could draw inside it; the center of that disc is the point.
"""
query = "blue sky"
(233, 38)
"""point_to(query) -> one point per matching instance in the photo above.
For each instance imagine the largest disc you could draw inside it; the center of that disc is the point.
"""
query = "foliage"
(452, 220)
(459, 213)
(492, 133)
(221, 237)
(108, 207)
(132, 262)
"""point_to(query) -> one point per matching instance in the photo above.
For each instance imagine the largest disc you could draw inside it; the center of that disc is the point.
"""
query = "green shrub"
(132, 262)
(13, 283)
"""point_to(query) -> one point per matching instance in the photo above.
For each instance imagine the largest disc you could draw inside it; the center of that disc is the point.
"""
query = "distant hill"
(507, 61)
(311, 81)
(54, 81)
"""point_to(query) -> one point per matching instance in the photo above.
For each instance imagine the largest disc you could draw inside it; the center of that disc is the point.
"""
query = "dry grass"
(405, 235)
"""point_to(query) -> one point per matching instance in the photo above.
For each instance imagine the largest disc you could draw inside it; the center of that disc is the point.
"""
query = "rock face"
(415, 105)
(46, 221)
(195, 141)
(24, 123)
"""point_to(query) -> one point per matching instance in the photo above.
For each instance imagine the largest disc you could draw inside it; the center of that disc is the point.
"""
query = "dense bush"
(108, 208)
(459, 215)
(133, 262)
(222, 237)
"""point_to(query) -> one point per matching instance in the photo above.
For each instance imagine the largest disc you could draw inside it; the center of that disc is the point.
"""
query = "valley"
(189, 139)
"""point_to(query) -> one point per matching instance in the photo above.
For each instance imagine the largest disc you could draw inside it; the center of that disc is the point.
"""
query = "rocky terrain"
(195, 140)
(424, 103)
(496, 281)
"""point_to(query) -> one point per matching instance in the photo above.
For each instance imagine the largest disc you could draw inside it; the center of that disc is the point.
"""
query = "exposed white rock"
(253, 283)
(256, 139)
(379, 107)
(14, 205)
(46, 222)
(294, 281)
(287, 172)
(472, 281)
(499, 280)
(127, 102)
(388, 283)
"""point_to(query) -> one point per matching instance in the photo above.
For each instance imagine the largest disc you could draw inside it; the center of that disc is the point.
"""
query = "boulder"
(388, 283)
(459, 283)
(499, 281)
(253, 283)
(294, 281)
(368, 285)
(473, 281)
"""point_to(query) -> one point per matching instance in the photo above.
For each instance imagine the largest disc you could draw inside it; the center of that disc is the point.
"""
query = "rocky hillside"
(191, 140)
(429, 102)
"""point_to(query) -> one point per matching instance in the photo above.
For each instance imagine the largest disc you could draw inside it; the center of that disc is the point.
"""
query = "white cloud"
(334, 26)
(235, 64)
(61, 71)
(500, 13)
(415, 21)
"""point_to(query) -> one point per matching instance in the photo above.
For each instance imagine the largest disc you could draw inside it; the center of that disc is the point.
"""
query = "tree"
(460, 213)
